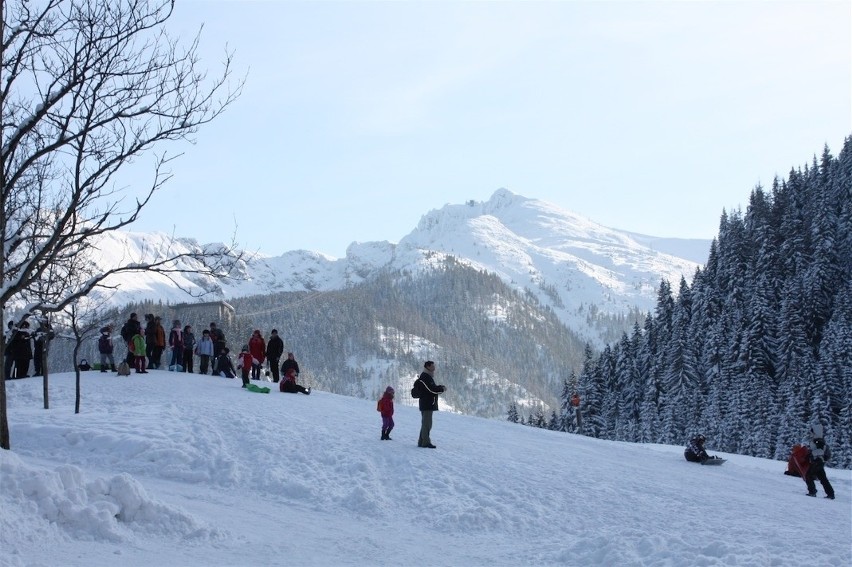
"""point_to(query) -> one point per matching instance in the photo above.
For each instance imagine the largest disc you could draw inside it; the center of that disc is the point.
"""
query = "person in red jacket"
(385, 406)
(245, 364)
(257, 348)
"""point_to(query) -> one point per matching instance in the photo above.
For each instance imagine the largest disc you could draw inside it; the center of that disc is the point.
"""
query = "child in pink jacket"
(385, 406)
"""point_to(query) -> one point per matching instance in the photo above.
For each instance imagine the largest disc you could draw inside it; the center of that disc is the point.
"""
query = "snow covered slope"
(189, 470)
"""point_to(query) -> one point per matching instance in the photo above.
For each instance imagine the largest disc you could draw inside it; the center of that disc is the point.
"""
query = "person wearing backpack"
(385, 407)
(188, 348)
(818, 454)
(128, 331)
(105, 348)
(428, 401)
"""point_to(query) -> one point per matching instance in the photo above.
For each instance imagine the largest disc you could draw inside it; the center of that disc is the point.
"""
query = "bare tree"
(86, 88)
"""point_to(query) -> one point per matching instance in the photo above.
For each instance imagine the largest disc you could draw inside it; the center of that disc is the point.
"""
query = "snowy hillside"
(189, 470)
(567, 261)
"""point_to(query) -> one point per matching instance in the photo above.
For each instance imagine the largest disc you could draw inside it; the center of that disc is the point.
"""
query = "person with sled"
(695, 452)
(290, 363)
(245, 364)
(818, 453)
(288, 384)
(428, 402)
(385, 406)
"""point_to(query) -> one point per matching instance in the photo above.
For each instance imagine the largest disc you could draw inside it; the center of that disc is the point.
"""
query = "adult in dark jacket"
(290, 363)
(818, 453)
(274, 350)
(429, 392)
(21, 349)
(694, 452)
(219, 343)
(131, 328)
(150, 339)
(188, 347)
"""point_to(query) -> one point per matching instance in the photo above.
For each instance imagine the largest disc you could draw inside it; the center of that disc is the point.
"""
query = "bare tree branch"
(86, 88)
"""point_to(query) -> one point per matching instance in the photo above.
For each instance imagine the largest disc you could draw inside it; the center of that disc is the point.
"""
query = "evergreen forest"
(756, 348)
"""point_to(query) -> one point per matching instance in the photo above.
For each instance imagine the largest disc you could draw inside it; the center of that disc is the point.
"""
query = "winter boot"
(384, 435)
(308, 391)
(812, 493)
(830, 496)
(387, 435)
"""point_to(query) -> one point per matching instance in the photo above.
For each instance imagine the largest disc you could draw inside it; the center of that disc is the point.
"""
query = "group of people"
(426, 391)
(810, 465)
(24, 346)
(145, 347)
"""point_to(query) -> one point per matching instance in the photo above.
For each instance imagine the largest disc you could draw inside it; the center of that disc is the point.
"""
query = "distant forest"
(758, 347)
(494, 345)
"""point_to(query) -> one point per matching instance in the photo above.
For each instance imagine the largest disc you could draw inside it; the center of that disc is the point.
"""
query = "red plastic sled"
(797, 464)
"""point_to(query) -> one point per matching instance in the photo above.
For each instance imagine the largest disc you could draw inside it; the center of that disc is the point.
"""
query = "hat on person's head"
(274, 331)
(245, 348)
(389, 390)
(428, 364)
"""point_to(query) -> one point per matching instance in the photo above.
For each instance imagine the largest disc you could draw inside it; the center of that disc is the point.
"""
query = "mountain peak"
(568, 262)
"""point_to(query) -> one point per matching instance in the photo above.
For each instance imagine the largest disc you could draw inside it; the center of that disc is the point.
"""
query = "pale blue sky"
(359, 117)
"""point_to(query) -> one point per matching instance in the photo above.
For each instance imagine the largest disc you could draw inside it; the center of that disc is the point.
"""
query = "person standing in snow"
(818, 453)
(429, 392)
(385, 406)
(21, 349)
(245, 364)
(257, 348)
(188, 348)
(204, 350)
(138, 347)
(274, 350)
(176, 344)
(105, 348)
(128, 331)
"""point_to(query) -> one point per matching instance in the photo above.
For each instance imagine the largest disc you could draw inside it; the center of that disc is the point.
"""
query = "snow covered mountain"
(568, 262)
